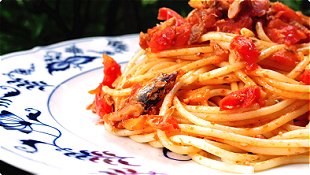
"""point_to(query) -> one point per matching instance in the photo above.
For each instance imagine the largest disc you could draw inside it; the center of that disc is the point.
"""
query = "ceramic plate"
(46, 129)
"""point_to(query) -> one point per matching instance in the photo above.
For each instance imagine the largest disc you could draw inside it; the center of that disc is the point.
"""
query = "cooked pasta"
(228, 87)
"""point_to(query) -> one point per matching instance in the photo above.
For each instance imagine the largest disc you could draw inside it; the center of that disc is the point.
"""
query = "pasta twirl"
(225, 85)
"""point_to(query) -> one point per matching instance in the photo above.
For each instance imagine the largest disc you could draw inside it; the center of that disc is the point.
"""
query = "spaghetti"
(227, 86)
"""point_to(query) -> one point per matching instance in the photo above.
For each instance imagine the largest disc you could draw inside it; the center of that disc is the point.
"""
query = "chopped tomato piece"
(242, 98)
(305, 77)
(162, 40)
(102, 105)
(285, 13)
(167, 35)
(182, 35)
(284, 33)
(111, 70)
(286, 57)
(165, 13)
(177, 33)
(170, 125)
(247, 51)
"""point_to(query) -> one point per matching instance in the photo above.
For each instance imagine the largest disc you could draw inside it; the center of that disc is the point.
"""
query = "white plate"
(46, 129)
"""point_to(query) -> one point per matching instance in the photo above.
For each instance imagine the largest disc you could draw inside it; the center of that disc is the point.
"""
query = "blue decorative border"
(28, 120)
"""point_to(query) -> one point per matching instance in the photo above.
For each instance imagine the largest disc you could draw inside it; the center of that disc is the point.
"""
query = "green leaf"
(148, 2)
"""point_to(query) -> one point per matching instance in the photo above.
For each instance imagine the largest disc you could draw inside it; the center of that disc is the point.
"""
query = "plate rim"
(65, 42)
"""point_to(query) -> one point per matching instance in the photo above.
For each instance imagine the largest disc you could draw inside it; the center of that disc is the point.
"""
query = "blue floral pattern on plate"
(21, 82)
(33, 132)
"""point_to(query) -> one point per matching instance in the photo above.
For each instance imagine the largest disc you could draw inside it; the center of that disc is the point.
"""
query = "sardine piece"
(151, 94)
(144, 99)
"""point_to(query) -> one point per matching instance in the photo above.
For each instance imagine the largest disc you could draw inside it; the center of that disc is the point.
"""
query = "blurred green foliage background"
(28, 23)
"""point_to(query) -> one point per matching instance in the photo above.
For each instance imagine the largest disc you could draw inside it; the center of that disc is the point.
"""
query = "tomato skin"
(242, 98)
(305, 77)
(165, 13)
(247, 50)
(172, 34)
(111, 70)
